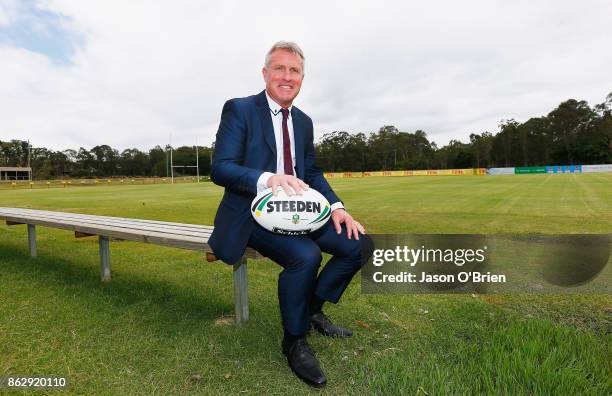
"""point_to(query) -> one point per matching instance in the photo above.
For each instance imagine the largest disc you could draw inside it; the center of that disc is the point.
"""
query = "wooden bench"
(177, 235)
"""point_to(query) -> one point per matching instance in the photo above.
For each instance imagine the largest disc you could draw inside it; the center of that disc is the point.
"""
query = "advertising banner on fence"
(564, 169)
(425, 172)
(529, 169)
(341, 175)
(500, 171)
(433, 172)
(597, 168)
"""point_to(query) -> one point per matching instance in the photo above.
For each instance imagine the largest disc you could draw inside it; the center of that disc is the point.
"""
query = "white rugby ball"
(290, 215)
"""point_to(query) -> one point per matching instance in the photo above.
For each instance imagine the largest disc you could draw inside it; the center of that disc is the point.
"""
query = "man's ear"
(264, 73)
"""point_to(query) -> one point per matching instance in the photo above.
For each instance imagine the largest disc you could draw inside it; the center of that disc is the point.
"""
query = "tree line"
(571, 134)
(104, 161)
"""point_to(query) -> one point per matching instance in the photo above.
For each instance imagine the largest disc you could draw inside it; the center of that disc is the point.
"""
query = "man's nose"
(287, 75)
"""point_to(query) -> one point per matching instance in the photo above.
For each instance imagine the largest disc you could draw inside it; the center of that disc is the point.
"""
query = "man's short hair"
(287, 46)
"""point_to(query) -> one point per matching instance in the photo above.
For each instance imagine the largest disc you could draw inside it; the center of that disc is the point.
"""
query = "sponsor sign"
(564, 169)
(529, 169)
(500, 171)
(597, 168)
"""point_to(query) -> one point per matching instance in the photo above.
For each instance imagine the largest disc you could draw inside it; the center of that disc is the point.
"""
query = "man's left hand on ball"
(353, 228)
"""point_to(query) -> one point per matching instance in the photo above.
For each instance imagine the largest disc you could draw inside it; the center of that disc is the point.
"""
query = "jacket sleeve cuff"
(337, 205)
(262, 182)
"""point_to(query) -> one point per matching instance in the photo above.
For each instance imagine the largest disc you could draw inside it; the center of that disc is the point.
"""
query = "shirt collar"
(275, 108)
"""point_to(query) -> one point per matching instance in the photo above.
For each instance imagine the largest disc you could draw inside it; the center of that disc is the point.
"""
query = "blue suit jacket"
(245, 148)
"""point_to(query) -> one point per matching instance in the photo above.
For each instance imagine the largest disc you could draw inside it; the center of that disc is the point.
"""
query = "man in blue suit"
(264, 142)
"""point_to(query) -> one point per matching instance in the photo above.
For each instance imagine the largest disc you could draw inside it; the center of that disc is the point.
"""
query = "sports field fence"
(130, 181)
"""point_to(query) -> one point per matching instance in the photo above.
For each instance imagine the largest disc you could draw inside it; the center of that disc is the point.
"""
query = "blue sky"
(41, 31)
(77, 73)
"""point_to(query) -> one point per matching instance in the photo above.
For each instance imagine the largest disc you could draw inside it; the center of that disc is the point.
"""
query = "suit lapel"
(266, 122)
(298, 136)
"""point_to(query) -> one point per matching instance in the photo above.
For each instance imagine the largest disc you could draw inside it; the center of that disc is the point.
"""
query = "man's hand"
(353, 228)
(290, 184)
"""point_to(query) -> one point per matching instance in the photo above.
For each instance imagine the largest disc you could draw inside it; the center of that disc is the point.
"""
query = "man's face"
(283, 76)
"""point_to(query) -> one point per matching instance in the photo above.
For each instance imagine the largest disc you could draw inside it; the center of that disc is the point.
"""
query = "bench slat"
(182, 226)
(184, 242)
(177, 235)
(183, 236)
(128, 226)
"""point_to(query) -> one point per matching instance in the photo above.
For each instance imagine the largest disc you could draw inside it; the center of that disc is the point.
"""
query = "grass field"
(161, 326)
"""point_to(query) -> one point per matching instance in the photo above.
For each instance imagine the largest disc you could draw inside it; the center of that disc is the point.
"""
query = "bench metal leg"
(32, 239)
(105, 272)
(241, 291)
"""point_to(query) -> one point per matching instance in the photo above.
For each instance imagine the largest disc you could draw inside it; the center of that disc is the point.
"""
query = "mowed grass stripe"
(158, 327)
(496, 204)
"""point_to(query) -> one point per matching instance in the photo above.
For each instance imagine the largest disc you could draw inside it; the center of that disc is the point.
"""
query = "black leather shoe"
(327, 328)
(303, 362)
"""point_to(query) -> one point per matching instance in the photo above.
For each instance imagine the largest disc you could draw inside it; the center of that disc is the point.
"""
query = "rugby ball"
(290, 215)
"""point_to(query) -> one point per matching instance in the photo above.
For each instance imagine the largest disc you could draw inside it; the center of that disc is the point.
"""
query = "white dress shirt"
(277, 123)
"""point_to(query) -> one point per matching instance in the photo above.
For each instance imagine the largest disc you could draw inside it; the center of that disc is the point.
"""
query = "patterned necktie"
(286, 144)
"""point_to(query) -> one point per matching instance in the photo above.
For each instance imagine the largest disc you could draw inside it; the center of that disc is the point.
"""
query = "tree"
(158, 161)
(85, 163)
(481, 146)
(504, 147)
(133, 162)
(331, 153)
(14, 153)
(572, 133)
(106, 160)
(567, 123)
(536, 147)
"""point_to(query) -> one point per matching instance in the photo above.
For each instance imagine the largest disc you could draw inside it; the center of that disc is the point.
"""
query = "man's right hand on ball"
(290, 184)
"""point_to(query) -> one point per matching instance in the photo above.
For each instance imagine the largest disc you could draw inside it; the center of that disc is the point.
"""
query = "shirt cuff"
(262, 182)
(337, 205)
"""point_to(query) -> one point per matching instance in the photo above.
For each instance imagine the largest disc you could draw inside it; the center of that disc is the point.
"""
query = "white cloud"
(9, 10)
(150, 69)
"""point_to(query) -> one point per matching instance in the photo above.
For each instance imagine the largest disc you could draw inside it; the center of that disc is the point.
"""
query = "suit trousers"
(300, 257)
